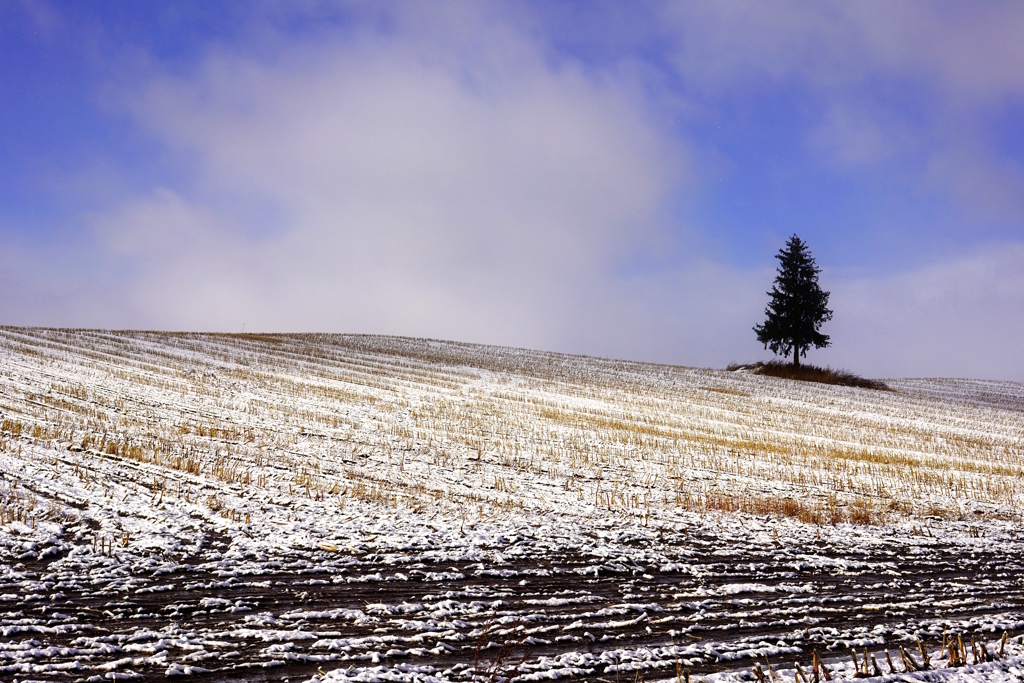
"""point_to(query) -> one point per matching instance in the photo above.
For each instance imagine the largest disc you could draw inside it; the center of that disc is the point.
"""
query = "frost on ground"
(247, 507)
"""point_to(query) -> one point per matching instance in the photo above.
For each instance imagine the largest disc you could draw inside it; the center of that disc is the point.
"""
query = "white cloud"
(409, 191)
(851, 136)
(912, 83)
(959, 318)
(989, 184)
(966, 52)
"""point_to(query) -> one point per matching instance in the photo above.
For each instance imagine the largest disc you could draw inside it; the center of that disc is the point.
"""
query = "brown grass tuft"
(810, 373)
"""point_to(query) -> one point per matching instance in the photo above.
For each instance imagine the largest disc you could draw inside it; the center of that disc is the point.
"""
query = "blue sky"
(604, 178)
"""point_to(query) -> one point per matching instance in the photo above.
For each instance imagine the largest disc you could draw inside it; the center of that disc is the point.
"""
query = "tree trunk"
(796, 356)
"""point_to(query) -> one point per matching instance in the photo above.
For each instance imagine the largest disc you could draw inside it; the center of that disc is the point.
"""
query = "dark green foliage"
(798, 307)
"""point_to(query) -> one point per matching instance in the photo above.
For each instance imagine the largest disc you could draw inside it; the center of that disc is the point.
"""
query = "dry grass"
(460, 429)
(809, 373)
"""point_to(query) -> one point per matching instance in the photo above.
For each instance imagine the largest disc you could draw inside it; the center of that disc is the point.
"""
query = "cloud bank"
(462, 174)
(402, 193)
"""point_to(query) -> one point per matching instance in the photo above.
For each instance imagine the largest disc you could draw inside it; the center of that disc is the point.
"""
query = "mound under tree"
(798, 306)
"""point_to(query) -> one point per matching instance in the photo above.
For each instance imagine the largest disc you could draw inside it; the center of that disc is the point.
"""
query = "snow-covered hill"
(279, 504)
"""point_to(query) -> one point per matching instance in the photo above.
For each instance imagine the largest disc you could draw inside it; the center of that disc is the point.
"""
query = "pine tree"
(798, 307)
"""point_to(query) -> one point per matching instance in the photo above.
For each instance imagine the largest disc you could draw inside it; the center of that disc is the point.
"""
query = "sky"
(605, 178)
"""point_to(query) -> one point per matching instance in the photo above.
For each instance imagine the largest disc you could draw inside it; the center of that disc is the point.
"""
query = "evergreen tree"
(798, 307)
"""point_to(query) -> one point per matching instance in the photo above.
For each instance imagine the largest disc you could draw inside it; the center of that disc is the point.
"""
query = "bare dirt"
(461, 617)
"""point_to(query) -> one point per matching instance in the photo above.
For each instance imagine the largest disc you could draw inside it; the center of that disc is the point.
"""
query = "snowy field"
(249, 507)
